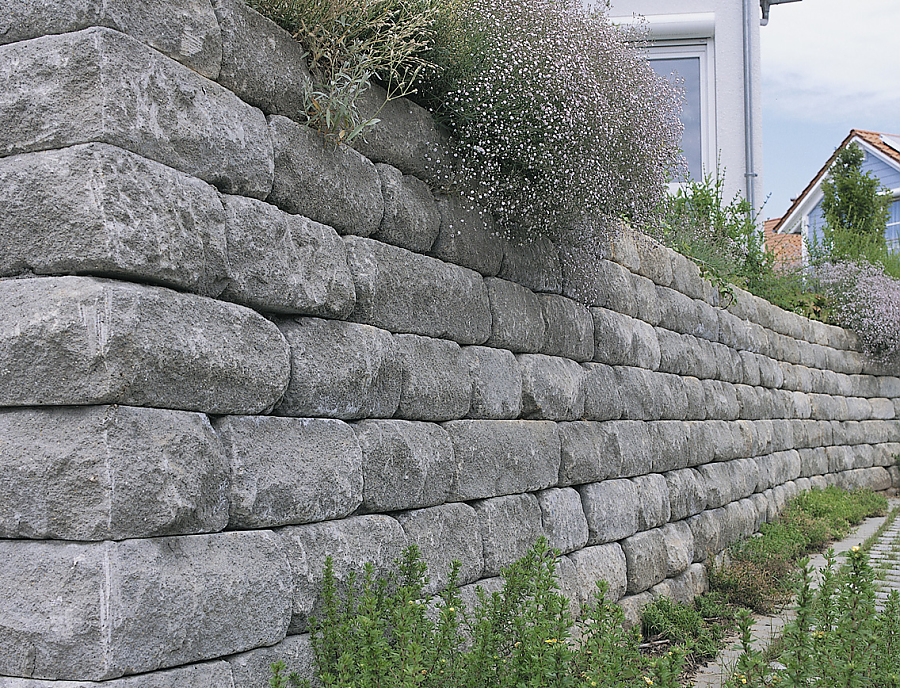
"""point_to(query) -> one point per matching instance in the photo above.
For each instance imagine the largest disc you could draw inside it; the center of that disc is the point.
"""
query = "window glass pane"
(686, 70)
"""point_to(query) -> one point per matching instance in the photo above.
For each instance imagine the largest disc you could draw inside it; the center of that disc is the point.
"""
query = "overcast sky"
(828, 66)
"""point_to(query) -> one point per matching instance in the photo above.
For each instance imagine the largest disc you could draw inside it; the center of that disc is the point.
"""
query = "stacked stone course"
(229, 349)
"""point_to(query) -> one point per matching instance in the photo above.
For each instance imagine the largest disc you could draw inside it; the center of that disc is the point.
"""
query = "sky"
(828, 66)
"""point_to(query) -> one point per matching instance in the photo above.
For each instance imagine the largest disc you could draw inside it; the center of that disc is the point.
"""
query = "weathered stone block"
(622, 340)
(882, 409)
(436, 384)
(509, 526)
(275, 78)
(404, 292)
(687, 493)
(287, 471)
(80, 340)
(340, 370)
(707, 529)
(405, 465)
(216, 673)
(411, 218)
(517, 319)
(589, 452)
(96, 611)
(673, 445)
(570, 328)
(611, 508)
(638, 393)
(653, 500)
(563, 519)
(532, 262)
(467, 236)
(330, 184)
(580, 273)
(444, 534)
(351, 543)
(552, 387)
(283, 263)
(677, 312)
(600, 563)
(503, 457)
(64, 90)
(646, 560)
(646, 299)
(616, 281)
(813, 462)
(729, 481)
(99, 209)
(254, 668)
(496, 383)
(679, 542)
(109, 473)
(632, 606)
(601, 393)
(721, 400)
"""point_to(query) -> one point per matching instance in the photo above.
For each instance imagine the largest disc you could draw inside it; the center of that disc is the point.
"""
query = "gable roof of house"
(886, 144)
(786, 248)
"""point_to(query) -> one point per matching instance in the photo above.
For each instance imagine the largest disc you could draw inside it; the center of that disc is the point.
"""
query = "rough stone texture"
(435, 379)
(640, 396)
(706, 527)
(589, 452)
(64, 90)
(330, 184)
(402, 291)
(261, 62)
(687, 495)
(96, 611)
(340, 370)
(287, 471)
(611, 508)
(601, 393)
(679, 542)
(283, 263)
(580, 274)
(80, 340)
(600, 563)
(350, 542)
(570, 328)
(411, 218)
(467, 236)
(533, 263)
(517, 318)
(496, 383)
(646, 559)
(98, 209)
(673, 445)
(622, 340)
(503, 457)
(563, 518)
(406, 465)
(653, 501)
(253, 669)
(216, 673)
(552, 387)
(109, 473)
(445, 534)
(509, 526)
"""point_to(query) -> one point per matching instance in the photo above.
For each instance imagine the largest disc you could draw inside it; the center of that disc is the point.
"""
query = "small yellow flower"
(648, 680)
(451, 609)
(551, 640)
(743, 680)
(855, 548)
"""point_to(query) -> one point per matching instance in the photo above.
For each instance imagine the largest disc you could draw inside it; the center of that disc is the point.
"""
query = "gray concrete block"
(330, 184)
(287, 471)
(741, 518)
(467, 236)
(502, 457)
(340, 370)
(99, 209)
(552, 387)
(351, 543)
(646, 299)
(509, 526)
(532, 262)
(184, 31)
(888, 386)
(613, 335)
(638, 393)
(100, 610)
(65, 90)
(600, 563)
(517, 319)
(677, 312)
(707, 528)
(435, 379)
(496, 383)
(721, 400)
(216, 673)
(882, 409)
(80, 340)
(570, 328)
(695, 402)
(281, 263)
(254, 668)
(589, 452)
(646, 560)
(601, 393)
(109, 473)
(679, 542)
(562, 516)
(404, 292)
(411, 219)
(616, 281)
(275, 78)
(580, 274)
(729, 481)
(673, 445)
(655, 262)
(611, 508)
(653, 500)
(687, 493)
(813, 462)
(405, 465)
(444, 534)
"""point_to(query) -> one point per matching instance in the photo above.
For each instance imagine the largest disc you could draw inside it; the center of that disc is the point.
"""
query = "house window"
(892, 233)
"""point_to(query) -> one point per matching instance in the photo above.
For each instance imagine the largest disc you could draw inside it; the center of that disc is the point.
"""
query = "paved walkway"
(885, 558)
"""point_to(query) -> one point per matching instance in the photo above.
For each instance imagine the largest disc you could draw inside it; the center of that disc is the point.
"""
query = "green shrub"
(684, 625)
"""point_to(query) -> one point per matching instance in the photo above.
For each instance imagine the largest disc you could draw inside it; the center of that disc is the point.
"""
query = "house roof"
(886, 144)
(787, 248)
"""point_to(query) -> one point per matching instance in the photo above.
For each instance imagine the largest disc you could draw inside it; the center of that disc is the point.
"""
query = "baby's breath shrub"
(553, 113)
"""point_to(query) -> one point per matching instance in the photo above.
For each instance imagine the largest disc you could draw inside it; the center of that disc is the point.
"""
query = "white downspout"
(750, 167)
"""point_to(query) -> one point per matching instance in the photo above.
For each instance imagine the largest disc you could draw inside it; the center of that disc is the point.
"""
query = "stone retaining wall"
(228, 349)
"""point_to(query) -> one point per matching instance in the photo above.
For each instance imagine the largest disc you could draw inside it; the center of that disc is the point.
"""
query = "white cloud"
(832, 59)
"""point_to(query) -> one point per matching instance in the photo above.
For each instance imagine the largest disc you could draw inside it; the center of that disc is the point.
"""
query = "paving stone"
(81, 340)
(612, 510)
(435, 384)
(70, 89)
(600, 563)
(552, 387)
(467, 236)
(405, 464)
(340, 370)
(411, 219)
(510, 525)
(109, 473)
(563, 519)
(517, 318)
